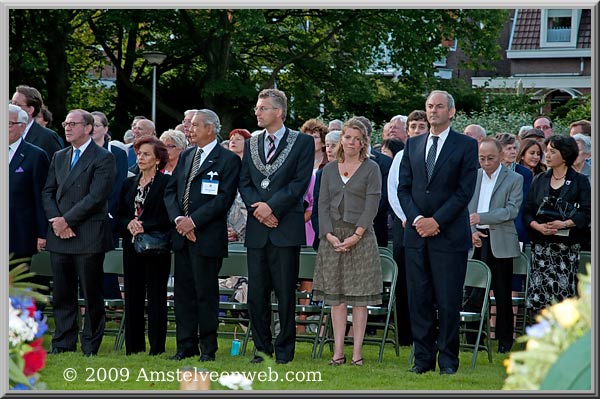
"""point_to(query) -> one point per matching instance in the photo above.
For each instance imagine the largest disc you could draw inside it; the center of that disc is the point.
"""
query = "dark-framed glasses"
(11, 123)
(71, 124)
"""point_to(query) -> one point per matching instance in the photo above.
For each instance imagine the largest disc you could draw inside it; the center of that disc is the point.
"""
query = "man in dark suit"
(79, 182)
(30, 101)
(437, 179)
(198, 197)
(276, 170)
(28, 168)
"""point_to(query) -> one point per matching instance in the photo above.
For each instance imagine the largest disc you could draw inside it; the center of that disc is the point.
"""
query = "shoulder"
(117, 151)
(523, 171)
(512, 175)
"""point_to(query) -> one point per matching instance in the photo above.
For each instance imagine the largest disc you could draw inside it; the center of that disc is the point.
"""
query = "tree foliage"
(326, 60)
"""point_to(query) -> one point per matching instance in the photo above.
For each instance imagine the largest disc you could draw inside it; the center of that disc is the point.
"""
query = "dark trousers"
(403, 326)
(273, 268)
(502, 273)
(435, 282)
(196, 301)
(66, 269)
(145, 277)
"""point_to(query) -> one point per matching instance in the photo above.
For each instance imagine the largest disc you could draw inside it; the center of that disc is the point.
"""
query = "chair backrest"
(386, 251)
(585, 257)
(521, 268)
(306, 270)
(389, 270)
(235, 264)
(40, 264)
(236, 246)
(478, 275)
(113, 261)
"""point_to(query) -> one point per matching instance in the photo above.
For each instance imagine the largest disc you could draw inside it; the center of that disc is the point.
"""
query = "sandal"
(358, 362)
(338, 362)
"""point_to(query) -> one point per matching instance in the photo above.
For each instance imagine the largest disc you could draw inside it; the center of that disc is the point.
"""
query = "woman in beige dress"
(348, 269)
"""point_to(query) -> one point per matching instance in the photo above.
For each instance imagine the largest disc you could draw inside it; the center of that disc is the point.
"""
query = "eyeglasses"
(71, 124)
(170, 146)
(98, 125)
(11, 123)
(262, 109)
(17, 104)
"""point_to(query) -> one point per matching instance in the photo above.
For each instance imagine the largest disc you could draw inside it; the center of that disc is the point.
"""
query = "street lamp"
(155, 58)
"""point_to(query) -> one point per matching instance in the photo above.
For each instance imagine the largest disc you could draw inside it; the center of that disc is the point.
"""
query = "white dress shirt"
(12, 149)
(485, 193)
(392, 186)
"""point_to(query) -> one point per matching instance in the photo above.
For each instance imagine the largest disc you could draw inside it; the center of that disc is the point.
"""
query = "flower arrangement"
(557, 327)
(26, 326)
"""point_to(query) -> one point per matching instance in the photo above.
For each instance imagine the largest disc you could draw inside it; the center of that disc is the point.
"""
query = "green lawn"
(112, 370)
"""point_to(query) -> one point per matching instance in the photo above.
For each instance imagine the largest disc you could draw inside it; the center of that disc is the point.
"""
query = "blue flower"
(538, 330)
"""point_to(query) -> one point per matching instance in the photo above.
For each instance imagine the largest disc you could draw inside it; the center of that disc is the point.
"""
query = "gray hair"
(479, 129)
(210, 118)
(22, 116)
(445, 93)
(333, 136)
(177, 137)
(402, 118)
(338, 124)
(190, 111)
(128, 136)
(524, 129)
(585, 141)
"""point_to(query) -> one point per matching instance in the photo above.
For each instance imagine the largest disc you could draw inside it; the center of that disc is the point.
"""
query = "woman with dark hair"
(142, 210)
(391, 147)
(530, 156)
(555, 243)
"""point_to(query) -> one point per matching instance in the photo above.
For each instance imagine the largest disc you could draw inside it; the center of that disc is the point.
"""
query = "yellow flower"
(566, 313)
(531, 344)
(507, 365)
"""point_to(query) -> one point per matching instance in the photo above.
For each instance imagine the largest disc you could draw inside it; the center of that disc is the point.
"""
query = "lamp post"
(155, 58)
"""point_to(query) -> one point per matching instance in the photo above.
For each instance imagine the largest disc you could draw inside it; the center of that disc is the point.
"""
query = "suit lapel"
(475, 199)
(421, 146)
(18, 158)
(82, 164)
(261, 147)
(282, 144)
(449, 144)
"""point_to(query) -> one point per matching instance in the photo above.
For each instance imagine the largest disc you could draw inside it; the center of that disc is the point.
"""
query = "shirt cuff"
(417, 219)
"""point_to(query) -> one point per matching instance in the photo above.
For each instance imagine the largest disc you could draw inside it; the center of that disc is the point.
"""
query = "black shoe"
(421, 370)
(258, 359)
(281, 361)
(89, 354)
(58, 351)
(182, 355)
(504, 348)
(207, 358)
(447, 370)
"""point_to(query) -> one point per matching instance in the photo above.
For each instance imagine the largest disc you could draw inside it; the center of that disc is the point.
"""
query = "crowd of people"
(441, 196)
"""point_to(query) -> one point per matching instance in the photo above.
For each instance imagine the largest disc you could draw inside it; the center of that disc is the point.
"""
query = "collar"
(208, 148)
(278, 134)
(494, 175)
(443, 135)
(84, 146)
(16, 144)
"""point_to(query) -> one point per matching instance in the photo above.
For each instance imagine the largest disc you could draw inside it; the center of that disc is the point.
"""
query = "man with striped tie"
(276, 169)
(198, 197)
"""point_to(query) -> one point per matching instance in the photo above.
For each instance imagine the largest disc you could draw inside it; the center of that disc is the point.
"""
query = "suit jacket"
(505, 203)
(380, 223)
(26, 219)
(45, 138)
(209, 212)
(80, 195)
(527, 178)
(120, 177)
(154, 215)
(284, 194)
(360, 197)
(445, 197)
(577, 190)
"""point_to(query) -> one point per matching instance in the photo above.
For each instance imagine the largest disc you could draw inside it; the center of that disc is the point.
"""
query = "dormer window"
(559, 27)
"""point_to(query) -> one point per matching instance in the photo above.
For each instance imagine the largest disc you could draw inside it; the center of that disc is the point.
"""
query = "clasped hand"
(550, 228)
(135, 227)
(61, 228)
(344, 246)
(185, 227)
(264, 214)
(427, 227)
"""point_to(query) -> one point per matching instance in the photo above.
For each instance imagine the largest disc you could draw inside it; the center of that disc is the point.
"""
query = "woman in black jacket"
(142, 210)
(555, 243)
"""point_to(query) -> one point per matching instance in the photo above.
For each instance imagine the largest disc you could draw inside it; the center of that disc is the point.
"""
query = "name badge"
(210, 187)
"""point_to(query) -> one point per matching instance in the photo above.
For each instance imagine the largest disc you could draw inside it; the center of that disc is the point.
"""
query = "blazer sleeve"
(584, 198)
(373, 195)
(125, 212)
(50, 188)
(247, 189)
(325, 197)
(171, 202)
(405, 181)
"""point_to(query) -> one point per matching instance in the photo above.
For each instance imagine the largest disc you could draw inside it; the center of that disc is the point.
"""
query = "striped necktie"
(193, 172)
(431, 157)
(271, 150)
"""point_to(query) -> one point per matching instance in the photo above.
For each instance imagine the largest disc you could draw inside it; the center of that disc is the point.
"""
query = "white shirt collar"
(494, 174)
(83, 147)
(208, 148)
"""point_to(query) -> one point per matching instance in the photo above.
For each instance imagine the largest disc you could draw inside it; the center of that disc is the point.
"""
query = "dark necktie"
(193, 172)
(75, 158)
(271, 150)
(430, 163)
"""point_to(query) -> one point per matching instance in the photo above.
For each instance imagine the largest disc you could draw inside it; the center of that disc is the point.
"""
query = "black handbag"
(153, 243)
(553, 208)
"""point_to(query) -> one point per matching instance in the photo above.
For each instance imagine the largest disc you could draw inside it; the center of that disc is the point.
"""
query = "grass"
(112, 370)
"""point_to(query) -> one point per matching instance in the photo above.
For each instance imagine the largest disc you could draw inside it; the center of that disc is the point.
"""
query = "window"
(559, 27)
